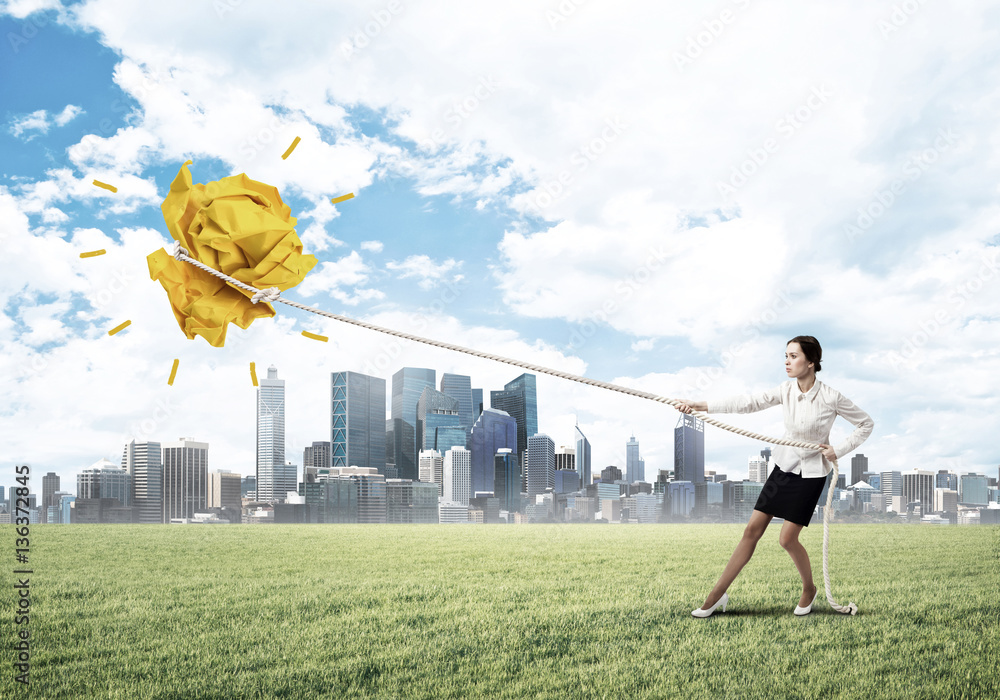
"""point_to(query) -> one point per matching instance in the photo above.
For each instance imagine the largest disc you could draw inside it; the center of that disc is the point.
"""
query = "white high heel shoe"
(723, 601)
(808, 609)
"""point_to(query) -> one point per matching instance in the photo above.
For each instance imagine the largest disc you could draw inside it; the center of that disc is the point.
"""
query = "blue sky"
(639, 194)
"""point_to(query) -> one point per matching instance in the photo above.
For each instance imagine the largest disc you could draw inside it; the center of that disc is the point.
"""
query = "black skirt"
(790, 496)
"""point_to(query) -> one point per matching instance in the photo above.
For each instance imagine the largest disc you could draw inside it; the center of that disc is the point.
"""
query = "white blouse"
(808, 417)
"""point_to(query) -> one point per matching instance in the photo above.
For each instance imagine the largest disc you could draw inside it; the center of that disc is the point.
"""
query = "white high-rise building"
(143, 461)
(432, 469)
(457, 475)
(757, 469)
(541, 464)
(582, 457)
(185, 478)
(271, 438)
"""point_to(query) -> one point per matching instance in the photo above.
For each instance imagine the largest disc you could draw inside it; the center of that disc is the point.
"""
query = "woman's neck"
(806, 383)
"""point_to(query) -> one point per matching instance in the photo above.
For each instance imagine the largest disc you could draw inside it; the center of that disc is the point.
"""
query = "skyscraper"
(689, 450)
(50, 484)
(432, 469)
(357, 422)
(507, 479)
(859, 465)
(519, 400)
(582, 457)
(541, 465)
(477, 403)
(270, 435)
(459, 387)
(565, 458)
(185, 478)
(757, 469)
(633, 473)
(494, 430)
(436, 410)
(143, 461)
(314, 458)
(407, 386)
(457, 470)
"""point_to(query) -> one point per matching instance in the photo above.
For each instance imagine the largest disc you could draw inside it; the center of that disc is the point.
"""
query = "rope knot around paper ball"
(270, 295)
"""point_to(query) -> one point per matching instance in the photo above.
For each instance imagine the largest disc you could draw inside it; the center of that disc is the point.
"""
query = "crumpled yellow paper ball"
(238, 226)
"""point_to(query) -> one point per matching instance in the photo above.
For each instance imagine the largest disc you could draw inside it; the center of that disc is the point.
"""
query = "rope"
(272, 294)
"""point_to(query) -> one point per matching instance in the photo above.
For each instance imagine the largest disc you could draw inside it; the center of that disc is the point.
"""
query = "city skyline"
(294, 453)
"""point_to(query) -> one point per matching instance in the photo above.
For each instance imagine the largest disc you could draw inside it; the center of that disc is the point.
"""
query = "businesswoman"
(797, 478)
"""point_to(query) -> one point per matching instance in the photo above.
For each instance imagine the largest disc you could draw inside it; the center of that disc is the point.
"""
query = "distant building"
(224, 490)
(105, 480)
(507, 480)
(270, 437)
(407, 386)
(541, 465)
(314, 458)
(459, 387)
(185, 478)
(519, 399)
(859, 465)
(436, 410)
(493, 431)
(583, 457)
(144, 463)
(565, 458)
(432, 469)
(411, 501)
(457, 475)
(689, 449)
(633, 473)
(50, 484)
(357, 423)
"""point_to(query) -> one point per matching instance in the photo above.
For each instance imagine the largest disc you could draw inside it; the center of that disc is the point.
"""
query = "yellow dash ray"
(119, 327)
(106, 186)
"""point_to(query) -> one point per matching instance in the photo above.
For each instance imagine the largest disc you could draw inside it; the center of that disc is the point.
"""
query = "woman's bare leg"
(789, 539)
(744, 550)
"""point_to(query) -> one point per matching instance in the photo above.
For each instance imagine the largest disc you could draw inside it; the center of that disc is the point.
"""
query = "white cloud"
(40, 121)
(69, 113)
(622, 161)
(333, 277)
(372, 246)
(23, 8)
(428, 273)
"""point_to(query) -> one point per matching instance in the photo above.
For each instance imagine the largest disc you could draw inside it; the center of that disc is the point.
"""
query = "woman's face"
(796, 364)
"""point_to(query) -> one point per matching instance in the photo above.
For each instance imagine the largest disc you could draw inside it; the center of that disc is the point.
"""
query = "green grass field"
(540, 611)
